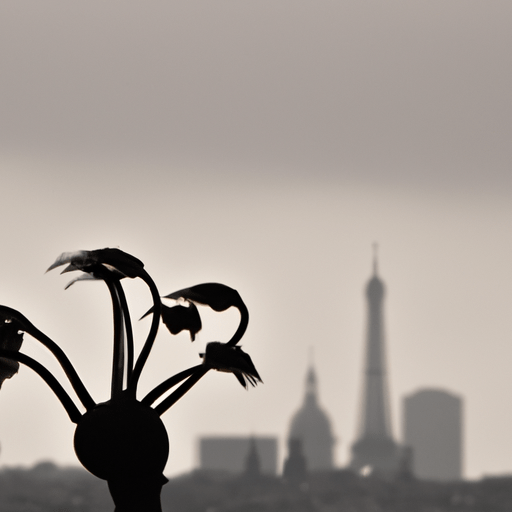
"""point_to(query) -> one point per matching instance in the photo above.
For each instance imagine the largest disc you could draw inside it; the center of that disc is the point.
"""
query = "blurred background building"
(238, 454)
(375, 447)
(432, 425)
(311, 426)
(433, 429)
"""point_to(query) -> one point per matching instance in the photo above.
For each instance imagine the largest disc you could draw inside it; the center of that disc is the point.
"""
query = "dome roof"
(310, 421)
(311, 425)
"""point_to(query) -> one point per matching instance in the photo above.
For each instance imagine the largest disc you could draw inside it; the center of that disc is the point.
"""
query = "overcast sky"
(265, 145)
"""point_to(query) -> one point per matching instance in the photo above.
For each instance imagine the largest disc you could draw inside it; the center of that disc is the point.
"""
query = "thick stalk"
(72, 410)
(137, 496)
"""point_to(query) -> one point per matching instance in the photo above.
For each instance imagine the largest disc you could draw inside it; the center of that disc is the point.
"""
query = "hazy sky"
(265, 145)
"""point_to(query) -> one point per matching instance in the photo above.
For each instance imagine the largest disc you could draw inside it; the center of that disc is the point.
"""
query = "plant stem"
(69, 370)
(174, 397)
(148, 344)
(156, 393)
(242, 326)
(118, 355)
(128, 330)
(72, 410)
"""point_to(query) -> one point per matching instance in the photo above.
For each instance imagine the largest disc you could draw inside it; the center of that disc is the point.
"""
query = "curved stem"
(72, 410)
(242, 326)
(118, 355)
(174, 397)
(148, 344)
(156, 393)
(128, 330)
(69, 370)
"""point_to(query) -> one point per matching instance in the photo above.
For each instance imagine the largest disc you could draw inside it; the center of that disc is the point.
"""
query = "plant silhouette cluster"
(124, 440)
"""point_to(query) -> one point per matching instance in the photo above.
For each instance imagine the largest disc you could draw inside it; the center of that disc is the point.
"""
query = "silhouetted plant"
(123, 440)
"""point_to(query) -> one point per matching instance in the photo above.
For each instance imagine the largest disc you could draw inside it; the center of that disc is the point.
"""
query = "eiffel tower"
(375, 447)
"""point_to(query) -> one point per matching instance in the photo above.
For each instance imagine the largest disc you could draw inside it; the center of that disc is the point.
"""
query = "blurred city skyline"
(265, 146)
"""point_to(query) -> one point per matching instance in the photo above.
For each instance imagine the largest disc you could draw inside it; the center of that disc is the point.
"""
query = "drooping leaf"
(231, 359)
(10, 339)
(129, 265)
(218, 296)
(101, 263)
(83, 277)
(179, 318)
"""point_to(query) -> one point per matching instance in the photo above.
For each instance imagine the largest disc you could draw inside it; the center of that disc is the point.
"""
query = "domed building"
(312, 427)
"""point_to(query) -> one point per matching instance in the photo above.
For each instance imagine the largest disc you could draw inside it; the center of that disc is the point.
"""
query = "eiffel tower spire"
(375, 446)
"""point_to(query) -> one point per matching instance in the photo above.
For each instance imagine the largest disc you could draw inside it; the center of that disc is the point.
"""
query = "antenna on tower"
(375, 246)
